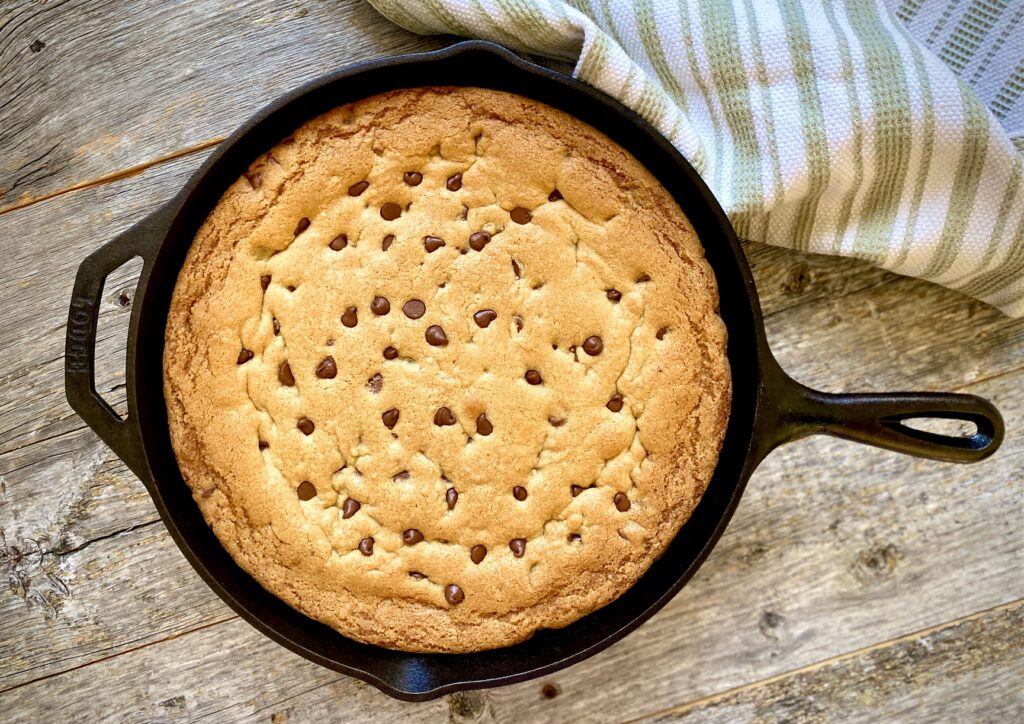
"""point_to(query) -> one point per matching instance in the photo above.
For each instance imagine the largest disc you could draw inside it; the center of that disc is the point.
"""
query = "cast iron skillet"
(768, 407)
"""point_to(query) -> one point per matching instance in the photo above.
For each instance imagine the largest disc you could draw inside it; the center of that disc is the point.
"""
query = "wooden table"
(852, 582)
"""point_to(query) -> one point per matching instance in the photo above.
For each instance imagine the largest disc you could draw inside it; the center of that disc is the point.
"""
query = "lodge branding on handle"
(81, 327)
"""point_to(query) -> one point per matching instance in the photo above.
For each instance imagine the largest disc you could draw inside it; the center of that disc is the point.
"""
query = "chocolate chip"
(453, 594)
(484, 317)
(265, 281)
(401, 475)
(556, 421)
(444, 417)
(465, 212)
(519, 323)
(277, 327)
(515, 269)
(575, 538)
(350, 318)
(432, 243)
(615, 404)
(413, 178)
(387, 242)
(254, 179)
(264, 444)
(417, 575)
(390, 418)
(555, 195)
(339, 242)
(477, 554)
(614, 295)
(366, 546)
(412, 536)
(661, 333)
(301, 226)
(454, 183)
(521, 215)
(380, 306)
(350, 507)
(375, 383)
(533, 377)
(306, 490)
(621, 502)
(519, 493)
(593, 345)
(390, 211)
(327, 369)
(390, 353)
(357, 188)
(478, 240)
(576, 490)
(643, 278)
(285, 376)
(451, 497)
(306, 425)
(435, 336)
(414, 309)
(244, 356)
(518, 547)
(483, 425)
(290, 287)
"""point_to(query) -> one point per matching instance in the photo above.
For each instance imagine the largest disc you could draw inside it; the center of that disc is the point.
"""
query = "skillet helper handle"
(80, 343)
(879, 419)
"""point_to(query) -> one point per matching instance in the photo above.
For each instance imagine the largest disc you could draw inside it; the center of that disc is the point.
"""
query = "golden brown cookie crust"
(572, 490)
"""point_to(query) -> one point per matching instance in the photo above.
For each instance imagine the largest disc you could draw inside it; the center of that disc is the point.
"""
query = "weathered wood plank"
(810, 567)
(91, 88)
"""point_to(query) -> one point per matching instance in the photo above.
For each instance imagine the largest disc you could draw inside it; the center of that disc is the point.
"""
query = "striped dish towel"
(820, 126)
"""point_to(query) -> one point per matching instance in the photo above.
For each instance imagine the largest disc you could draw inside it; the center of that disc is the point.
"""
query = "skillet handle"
(120, 434)
(794, 411)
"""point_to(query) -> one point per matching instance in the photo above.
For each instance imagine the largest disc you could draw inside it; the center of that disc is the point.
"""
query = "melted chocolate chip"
(263, 444)
(576, 490)
(484, 317)
(435, 336)
(515, 269)
(533, 377)
(453, 594)
(339, 242)
(478, 240)
(380, 306)
(517, 546)
(254, 179)
(556, 421)
(444, 417)
(555, 195)
(401, 475)
(375, 383)
(661, 333)
(417, 575)
(327, 369)
(265, 281)
(306, 426)
(390, 418)
(621, 502)
(411, 537)
(643, 278)
(244, 356)
(454, 183)
(366, 546)
(519, 493)
(614, 295)
(351, 317)
(593, 345)
(350, 507)
(301, 226)
(519, 323)
(615, 404)
(521, 215)
(432, 243)
(390, 353)
(483, 425)
(306, 490)
(285, 376)
(390, 211)
(358, 188)
(575, 538)
(277, 327)
(413, 178)
(477, 554)
(387, 242)
(414, 309)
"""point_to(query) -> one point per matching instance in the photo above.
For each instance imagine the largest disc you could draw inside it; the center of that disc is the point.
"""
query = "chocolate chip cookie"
(445, 367)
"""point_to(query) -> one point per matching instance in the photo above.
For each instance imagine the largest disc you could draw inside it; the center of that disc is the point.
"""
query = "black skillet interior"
(767, 407)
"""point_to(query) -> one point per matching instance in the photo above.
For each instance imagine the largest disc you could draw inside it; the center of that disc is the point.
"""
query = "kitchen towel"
(820, 126)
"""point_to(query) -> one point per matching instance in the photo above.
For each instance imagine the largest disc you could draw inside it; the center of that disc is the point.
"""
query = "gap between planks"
(717, 696)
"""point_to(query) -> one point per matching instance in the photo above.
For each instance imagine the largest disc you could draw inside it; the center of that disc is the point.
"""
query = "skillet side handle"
(793, 411)
(80, 343)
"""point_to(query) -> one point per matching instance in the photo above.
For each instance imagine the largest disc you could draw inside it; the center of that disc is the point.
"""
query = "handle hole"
(115, 309)
(947, 427)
